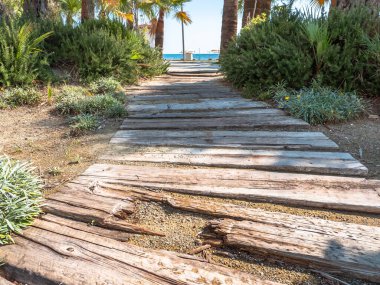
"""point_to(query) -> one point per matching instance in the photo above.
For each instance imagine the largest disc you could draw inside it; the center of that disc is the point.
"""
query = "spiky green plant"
(20, 197)
(20, 55)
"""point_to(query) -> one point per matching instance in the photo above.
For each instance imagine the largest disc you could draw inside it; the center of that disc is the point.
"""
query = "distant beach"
(196, 56)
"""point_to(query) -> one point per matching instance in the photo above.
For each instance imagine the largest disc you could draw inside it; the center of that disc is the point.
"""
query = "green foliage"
(20, 197)
(318, 105)
(82, 124)
(21, 59)
(21, 96)
(98, 48)
(105, 85)
(341, 50)
(76, 101)
(269, 51)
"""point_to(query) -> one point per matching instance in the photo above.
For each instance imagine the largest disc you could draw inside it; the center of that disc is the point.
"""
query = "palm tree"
(70, 8)
(88, 10)
(229, 22)
(163, 7)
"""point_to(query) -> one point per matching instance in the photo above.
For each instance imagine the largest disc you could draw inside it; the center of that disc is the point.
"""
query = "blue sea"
(196, 56)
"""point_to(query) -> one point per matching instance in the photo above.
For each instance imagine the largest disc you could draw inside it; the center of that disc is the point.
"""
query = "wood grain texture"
(340, 193)
(80, 257)
(228, 123)
(335, 247)
(201, 104)
(283, 160)
(233, 139)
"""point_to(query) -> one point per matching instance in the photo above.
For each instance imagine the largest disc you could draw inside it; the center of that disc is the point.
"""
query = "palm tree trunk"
(35, 8)
(263, 6)
(88, 10)
(245, 13)
(229, 22)
(159, 39)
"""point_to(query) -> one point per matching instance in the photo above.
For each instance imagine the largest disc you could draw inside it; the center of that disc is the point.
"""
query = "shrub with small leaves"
(82, 124)
(22, 96)
(318, 105)
(105, 85)
(20, 197)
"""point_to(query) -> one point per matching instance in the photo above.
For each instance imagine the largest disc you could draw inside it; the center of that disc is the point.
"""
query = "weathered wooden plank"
(331, 192)
(294, 161)
(234, 139)
(257, 113)
(71, 256)
(93, 216)
(187, 96)
(88, 228)
(183, 100)
(212, 123)
(335, 247)
(202, 104)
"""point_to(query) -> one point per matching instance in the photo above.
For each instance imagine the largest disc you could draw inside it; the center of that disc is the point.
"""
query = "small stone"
(373, 117)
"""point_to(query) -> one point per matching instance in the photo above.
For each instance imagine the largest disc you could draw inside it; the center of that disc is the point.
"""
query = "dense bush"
(99, 48)
(340, 50)
(318, 105)
(21, 59)
(20, 197)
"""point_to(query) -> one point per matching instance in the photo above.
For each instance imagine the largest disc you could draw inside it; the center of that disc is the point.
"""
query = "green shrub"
(318, 105)
(20, 197)
(105, 85)
(21, 59)
(269, 51)
(21, 96)
(98, 48)
(82, 124)
(339, 50)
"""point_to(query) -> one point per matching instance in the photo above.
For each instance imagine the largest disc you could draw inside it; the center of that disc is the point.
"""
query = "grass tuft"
(20, 197)
(83, 124)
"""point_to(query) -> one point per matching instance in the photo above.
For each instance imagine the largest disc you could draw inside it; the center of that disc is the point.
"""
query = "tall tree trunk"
(229, 22)
(35, 8)
(245, 19)
(159, 39)
(88, 10)
(263, 6)
(349, 4)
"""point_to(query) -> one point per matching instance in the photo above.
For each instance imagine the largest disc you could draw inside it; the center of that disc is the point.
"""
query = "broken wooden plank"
(71, 256)
(202, 104)
(234, 139)
(279, 160)
(335, 247)
(88, 228)
(234, 123)
(330, 192)
(93, 216)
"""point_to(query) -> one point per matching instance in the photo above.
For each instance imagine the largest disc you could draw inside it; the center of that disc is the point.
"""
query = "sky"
(204, 33)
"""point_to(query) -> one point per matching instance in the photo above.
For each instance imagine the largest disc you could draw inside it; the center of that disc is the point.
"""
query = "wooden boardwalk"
(189, 133)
